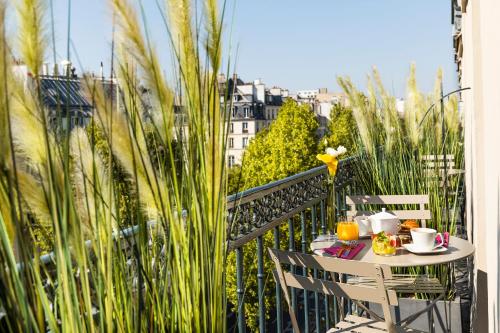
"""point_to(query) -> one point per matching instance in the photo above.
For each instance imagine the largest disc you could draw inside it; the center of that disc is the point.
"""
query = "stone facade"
(252, 108)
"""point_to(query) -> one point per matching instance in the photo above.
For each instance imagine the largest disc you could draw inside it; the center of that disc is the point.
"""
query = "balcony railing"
(264, 209)
(253, 213)
(295, 211)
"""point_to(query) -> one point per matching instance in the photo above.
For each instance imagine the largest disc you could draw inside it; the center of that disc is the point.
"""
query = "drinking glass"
(347, 230)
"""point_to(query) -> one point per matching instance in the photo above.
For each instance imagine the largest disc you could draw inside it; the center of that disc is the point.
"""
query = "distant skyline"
(295, 46)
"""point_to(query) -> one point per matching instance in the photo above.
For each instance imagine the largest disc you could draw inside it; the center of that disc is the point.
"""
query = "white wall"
(324, 109)
(481, 72)
(237, 150)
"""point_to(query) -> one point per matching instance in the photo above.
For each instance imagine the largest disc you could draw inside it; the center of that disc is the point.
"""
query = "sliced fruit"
(393, 242)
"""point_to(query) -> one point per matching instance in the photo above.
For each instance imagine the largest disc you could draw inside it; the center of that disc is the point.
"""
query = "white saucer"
(326, 238)
(413, 249)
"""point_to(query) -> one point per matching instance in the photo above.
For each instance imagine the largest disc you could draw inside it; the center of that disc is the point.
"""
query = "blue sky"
(298, 44)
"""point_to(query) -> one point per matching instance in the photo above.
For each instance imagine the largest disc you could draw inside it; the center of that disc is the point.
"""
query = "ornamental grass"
(393, 146)
(155, 263)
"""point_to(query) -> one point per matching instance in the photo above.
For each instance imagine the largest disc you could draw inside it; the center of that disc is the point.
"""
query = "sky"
(294, 44)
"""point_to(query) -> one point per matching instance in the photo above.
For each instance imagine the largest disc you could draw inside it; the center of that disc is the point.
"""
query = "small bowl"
(383, 248)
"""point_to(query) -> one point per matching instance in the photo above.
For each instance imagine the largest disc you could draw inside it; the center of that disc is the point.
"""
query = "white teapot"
(384, 221)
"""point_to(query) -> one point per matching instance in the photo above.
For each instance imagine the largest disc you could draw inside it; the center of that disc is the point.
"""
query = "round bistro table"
(457, 249)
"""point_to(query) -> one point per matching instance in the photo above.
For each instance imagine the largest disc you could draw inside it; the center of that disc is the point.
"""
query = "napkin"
(334, 251)
(446, 236)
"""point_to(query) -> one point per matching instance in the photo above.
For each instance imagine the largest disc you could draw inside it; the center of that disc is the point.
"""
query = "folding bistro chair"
(434, 166)
(422, 214)
(401, 283)
(376, 293)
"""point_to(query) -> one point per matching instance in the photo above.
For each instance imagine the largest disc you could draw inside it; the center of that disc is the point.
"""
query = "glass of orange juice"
(347, 230)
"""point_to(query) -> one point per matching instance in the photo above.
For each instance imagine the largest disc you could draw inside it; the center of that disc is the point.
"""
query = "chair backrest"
(433, 161)
(378, 294)
(434, 167)
(420, 200)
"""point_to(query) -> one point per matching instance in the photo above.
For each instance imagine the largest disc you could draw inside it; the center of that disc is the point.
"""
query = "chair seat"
(355, 324)
(403, 283)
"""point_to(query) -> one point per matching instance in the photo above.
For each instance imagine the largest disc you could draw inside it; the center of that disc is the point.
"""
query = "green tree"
(287, 147)
(342, 129)
(234, 180)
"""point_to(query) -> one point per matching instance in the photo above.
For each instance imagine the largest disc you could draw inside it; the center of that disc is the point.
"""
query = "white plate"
(412, 249)
(326, 238)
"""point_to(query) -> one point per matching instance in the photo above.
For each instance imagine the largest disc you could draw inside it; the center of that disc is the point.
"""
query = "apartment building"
(253, 107)
(62, 95)
(321, 102)
(322, 106)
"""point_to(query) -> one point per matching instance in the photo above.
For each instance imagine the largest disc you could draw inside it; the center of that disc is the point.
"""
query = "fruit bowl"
(383, 245)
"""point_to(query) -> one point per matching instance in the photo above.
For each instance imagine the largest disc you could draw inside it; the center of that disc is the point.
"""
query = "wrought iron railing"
(263, 209)
(252, 214)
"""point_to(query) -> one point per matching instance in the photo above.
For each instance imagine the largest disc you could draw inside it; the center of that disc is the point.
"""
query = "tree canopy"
(287, 147)
(342, 129)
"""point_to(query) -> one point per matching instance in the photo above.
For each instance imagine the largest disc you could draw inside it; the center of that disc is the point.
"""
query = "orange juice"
(347, 231)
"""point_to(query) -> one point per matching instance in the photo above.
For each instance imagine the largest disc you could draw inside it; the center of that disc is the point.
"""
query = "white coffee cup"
(424, 239)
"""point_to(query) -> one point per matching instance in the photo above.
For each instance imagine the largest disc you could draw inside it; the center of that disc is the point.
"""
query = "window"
(231, 128)
(245, 127)
(245, 142)
(231, 143)
(245, 112)
(235, 109)
(230, 161)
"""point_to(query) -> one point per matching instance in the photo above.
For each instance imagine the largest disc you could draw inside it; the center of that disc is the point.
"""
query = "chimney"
(66, 67)
(102, 71)
(45, 69)
(56, 70)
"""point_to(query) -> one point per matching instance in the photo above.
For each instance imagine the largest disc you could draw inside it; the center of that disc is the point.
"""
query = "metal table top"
(458, 248)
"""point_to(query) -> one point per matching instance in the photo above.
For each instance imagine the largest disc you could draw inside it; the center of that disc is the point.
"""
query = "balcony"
(288, 214)
(136, 215)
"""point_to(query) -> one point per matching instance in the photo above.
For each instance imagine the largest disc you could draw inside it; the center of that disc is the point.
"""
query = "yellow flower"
(330, 158)
(330, 161)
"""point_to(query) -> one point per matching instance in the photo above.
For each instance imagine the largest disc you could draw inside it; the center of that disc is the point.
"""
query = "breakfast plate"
(326, 238)
(413, 249)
